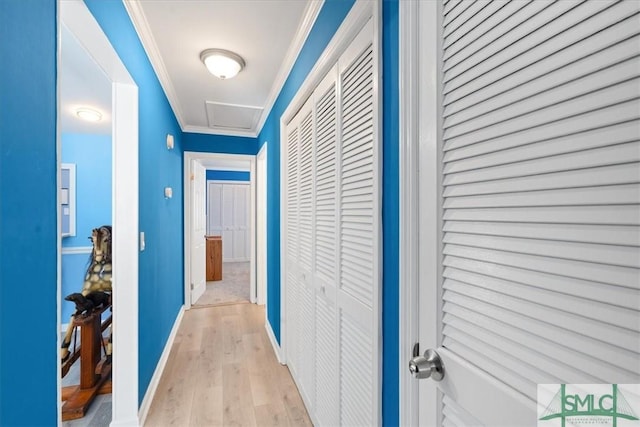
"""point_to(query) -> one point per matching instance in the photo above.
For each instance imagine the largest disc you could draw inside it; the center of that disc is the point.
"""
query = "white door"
(198, 230)
(529, 203)
(239, 223)
(229, 217)
(214, 210)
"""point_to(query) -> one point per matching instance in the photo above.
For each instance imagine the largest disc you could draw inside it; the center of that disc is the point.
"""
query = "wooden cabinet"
(214, 258)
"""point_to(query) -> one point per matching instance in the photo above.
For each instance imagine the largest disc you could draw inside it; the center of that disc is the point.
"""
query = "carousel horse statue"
(97, 280)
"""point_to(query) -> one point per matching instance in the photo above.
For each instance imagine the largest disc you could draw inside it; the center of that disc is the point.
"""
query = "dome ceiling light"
(222, 63)
(88, 114)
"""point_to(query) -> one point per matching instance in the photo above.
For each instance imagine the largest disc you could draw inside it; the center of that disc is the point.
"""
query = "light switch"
(142, 244)
(168, 192)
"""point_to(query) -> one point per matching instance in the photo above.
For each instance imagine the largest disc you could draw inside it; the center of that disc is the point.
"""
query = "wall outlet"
(142, 243)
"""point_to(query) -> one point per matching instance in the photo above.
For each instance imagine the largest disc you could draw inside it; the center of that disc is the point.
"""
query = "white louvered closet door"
(306, 258)
(332, 223)
(541, 203)
(292, 288)
(358, 234)
(326, 247)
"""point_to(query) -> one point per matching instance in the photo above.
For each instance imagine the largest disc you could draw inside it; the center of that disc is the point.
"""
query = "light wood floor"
(222, 371)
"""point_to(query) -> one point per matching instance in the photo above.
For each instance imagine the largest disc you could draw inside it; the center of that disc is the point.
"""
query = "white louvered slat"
(557, 26)
(293, 318)
(541, 194)
(592, 139)
(306, 228)
(456, 415)
(292, 184)
(307, 339)
(357, 178)
(325, 204)
(326, 343)
(355, 388)
(573, 360)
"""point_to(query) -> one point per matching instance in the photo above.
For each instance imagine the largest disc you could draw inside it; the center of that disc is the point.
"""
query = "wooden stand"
(79, 398)
(214, 258)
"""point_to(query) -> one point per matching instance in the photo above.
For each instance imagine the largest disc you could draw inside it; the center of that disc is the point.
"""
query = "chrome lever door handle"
(427, 366)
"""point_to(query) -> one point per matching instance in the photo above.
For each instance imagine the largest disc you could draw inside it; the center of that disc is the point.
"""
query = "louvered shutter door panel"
(292, 192)
(293, 319)
(293, 292)
(325, 181)
(306, 187)
(326, 362)
(306, 304)
(541, 192)
(325, 277)
(359, 221)
(356, 204)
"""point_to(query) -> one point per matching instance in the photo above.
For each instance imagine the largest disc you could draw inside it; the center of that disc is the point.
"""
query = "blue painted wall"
(28, 229)
(161, 264)
(329, 19)
(92, 156)
(203, 143)
(219, 175)
(390, 214)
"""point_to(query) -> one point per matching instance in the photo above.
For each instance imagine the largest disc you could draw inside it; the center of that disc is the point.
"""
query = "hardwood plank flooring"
(222, 371)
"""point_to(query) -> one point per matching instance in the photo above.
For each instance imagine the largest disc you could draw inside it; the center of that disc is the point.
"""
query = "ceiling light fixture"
(222, 63)
(88, 114)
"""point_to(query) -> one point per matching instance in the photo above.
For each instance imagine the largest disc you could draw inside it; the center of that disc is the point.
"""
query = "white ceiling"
(82, 84)
(268, 34)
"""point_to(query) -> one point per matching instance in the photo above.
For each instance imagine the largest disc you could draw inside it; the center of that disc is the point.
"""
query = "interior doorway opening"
(78, 21)
(230, 194)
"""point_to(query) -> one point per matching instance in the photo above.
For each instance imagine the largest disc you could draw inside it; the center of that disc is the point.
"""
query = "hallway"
(222, 371)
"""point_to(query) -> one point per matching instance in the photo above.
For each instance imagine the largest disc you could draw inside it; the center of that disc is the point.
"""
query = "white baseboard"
(155, 379)
(274, 342)
(126, 423)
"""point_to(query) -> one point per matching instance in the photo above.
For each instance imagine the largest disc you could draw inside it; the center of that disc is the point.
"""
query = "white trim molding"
(157, 374)
(140, 23)
(408, 336)
(310, 15)
(274, 343)
(77, 250)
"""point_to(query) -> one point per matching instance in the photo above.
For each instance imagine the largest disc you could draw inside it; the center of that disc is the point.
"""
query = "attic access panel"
(231, 116)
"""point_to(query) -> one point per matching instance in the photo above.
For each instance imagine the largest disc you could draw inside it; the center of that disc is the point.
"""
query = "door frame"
(261, 232)
(419, 221)
(187, 206)
(125, 181)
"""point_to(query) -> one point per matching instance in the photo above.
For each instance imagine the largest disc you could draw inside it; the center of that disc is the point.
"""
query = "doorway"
(220, 162)
(77, 20)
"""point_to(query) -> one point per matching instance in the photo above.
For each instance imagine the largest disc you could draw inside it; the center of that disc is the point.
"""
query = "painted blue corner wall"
(329, 19)
(28, 229)
(92, 156)
(390, 214)
(204, 143)
(161, 271)
(219, 175)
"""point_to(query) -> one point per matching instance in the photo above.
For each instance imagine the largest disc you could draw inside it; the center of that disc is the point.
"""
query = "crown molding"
(141, 25)
(310, 15)
(219, 131)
